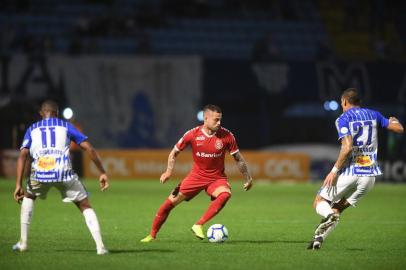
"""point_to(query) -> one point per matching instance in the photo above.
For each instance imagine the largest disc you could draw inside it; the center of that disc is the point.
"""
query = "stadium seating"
(218, 36)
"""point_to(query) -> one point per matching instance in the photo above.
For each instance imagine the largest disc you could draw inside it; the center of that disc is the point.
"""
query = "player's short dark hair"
(352, 96)
(49, 105)
(213, 108)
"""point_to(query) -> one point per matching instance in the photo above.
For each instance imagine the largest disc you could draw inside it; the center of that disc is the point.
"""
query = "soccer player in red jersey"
(209, 143)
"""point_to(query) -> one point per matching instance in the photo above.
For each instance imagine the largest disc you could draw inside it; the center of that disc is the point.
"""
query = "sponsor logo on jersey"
(363, 161)
(344, 130)
(46, 163)
(200, 138)
(208, 155)
(46, 176)
(363, 170)
(218, 144)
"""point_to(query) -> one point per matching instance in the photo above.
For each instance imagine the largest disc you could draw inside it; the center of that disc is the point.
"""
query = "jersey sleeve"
(233, 147)
(343, 127)
(27, 140)
(184, 141)
(382, 120)
(75, 135)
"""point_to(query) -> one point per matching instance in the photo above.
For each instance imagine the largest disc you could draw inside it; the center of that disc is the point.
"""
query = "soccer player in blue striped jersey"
(354, 172)
(47, 143)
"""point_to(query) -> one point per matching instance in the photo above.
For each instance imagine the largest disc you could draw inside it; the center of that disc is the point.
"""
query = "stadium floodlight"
(333, 105)
(326, 105)
(200, 116)
(67, 113)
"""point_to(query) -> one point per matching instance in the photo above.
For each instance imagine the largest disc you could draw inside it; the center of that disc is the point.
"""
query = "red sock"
(214, 207)
(161, 216)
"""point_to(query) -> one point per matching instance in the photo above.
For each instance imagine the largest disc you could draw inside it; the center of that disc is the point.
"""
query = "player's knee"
(175, 200)
(83, 205)
(317, 200)
(225, 196)
(30, 196)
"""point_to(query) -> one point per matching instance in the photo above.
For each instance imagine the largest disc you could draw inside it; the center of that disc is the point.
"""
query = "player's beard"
(215, 128)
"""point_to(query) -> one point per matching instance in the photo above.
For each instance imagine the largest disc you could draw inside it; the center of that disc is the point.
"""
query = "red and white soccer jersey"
(208, 151)
(208, 155)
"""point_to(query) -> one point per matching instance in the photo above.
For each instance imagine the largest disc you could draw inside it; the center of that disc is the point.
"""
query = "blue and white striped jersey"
(362, 124)
(48, 141)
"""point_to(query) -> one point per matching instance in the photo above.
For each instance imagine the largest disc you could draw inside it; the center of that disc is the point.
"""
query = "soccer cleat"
(147, 239)
(19, 247)
(198, 231)
(326, 223)
(102, 251)
(315, 243)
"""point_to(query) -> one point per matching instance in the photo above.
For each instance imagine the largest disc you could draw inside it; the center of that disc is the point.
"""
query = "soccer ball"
(217, 233)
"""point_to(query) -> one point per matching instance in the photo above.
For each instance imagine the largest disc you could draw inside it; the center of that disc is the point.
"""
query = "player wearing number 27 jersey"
(353, 174)
(362, 125)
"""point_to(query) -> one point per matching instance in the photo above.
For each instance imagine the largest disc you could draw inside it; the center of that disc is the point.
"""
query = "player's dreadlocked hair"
(352, 96)
(213, 108)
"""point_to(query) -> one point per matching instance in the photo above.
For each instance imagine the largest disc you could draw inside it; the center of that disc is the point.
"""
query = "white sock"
(323, 208)
(27, 209)
(94, 227)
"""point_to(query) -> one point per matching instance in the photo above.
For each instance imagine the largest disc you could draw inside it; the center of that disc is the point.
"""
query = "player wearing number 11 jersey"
(353, 174)
(47, 142)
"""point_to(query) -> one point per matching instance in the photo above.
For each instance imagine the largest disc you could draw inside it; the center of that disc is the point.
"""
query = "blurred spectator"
(92, 46)
(351, 15)
(265, 50)
(75, 46)
(377, 17)
(144, 43)
(82, 24)
(380, 48)
(324, 51)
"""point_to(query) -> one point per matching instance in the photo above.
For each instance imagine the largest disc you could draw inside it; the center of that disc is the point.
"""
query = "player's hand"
(164, 177)
(18, 194)
(331, 182)
(104, 182)
(248, 185)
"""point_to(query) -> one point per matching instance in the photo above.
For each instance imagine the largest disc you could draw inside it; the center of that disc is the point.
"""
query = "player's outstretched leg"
(27, 209)
(160, 218)
(214, 208)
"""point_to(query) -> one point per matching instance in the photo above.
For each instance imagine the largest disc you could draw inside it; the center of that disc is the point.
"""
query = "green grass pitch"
(269, 229)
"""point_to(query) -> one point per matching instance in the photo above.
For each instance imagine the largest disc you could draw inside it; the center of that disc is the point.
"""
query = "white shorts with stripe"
(71, 191)
(352, 188)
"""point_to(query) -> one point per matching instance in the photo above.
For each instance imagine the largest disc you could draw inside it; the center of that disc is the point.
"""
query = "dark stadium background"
(271, 65)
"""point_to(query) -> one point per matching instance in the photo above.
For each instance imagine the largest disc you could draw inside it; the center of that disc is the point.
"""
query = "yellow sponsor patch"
(363, 161)
(46, 163)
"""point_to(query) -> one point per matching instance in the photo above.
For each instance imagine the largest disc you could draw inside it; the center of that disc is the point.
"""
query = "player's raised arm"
(22, 158)
(171, 164)
(395, 125)
(242, 166)
(103, 178)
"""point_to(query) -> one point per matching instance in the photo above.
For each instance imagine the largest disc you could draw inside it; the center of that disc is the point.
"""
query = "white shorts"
(71, 191)
(352, 188)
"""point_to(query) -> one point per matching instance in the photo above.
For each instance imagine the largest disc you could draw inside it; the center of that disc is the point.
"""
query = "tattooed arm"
(171, 164)
(345, 153)
(242, 166)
